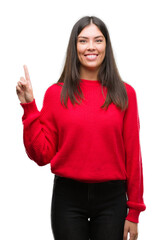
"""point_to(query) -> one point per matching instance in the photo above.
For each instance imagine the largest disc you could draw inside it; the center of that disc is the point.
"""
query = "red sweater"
(87, 143)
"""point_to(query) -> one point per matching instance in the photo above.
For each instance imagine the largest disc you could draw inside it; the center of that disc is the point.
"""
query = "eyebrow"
(87, 37)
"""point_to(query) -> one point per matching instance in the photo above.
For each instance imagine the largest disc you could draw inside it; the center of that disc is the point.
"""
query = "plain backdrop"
(36, 33)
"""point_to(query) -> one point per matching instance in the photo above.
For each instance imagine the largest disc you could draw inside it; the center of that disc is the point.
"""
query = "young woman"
(88, 130)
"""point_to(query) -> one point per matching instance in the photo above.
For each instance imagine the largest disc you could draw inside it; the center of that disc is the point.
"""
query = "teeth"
(91, 56)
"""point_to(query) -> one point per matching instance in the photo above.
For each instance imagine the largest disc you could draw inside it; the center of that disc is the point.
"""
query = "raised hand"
(24, 88)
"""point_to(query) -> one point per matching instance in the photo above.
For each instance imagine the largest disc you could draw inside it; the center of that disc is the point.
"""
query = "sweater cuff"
(29, 109)
(133, 215)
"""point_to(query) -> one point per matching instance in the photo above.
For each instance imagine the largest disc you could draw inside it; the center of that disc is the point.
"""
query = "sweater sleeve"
(39, 131)
(133, 156)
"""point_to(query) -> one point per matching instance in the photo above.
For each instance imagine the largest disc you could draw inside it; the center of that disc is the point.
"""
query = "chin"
(91, 67)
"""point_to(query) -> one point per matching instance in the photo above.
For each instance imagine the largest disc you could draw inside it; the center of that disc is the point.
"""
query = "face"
(91, 46)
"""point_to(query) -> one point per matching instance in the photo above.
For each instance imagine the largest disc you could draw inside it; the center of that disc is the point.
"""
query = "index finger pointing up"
(26, 73)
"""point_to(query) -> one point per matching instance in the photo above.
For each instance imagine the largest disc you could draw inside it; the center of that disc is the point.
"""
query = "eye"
(99, 40)
(82, 41)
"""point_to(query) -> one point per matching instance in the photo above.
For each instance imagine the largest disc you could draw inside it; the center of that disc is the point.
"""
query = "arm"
(131, 127)
(40, 133)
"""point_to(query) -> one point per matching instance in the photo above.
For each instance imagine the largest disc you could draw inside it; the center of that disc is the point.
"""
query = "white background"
(36, 33)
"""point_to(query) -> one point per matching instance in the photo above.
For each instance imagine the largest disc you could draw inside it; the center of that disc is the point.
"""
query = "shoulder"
(54, 89)
(132, 97)
(52, 94)
(130, 90)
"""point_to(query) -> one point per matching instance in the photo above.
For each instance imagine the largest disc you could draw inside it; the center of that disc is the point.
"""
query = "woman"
(92, 144)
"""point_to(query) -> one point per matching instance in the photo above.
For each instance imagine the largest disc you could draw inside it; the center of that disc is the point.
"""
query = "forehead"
(90, 31)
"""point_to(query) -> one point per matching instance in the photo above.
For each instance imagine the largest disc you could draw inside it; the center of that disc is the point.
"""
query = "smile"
(91, 56)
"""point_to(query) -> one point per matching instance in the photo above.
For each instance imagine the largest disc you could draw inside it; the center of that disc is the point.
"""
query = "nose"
(91, 46)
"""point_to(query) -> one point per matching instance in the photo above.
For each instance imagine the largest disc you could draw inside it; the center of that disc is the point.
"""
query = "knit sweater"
(87, 143)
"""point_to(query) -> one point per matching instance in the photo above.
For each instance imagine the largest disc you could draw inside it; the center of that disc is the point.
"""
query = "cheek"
(81, 49)
(80, 53)
(102, 49)
(102, 52)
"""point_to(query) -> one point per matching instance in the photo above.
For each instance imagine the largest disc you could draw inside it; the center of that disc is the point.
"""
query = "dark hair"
(108, 73)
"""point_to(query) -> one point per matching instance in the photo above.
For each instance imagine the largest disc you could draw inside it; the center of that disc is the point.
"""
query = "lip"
(91, 57)
(90, 54)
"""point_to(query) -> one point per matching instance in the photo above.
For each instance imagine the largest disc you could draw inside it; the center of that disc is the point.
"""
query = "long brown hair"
(108, 73)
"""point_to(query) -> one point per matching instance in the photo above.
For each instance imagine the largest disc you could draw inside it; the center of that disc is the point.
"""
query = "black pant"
(83, 211)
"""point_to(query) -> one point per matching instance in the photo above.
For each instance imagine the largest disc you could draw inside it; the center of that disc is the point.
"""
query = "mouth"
(91, 56)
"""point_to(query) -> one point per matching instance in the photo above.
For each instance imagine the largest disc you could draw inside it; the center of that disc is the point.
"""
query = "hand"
(132, 228)
(24, 88)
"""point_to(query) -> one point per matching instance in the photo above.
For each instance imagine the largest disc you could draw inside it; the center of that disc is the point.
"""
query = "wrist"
(30, 109)
(133, 215)
(29, 100)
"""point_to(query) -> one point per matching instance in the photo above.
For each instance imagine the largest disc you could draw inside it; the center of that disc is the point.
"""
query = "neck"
(89, 74)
